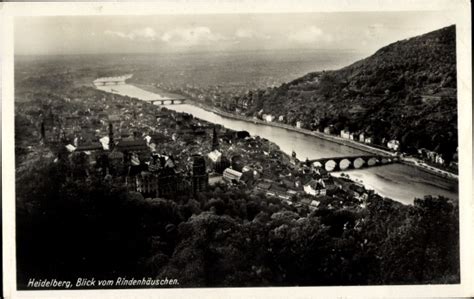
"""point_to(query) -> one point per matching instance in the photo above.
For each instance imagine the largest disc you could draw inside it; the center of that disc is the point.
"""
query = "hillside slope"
(405, 91)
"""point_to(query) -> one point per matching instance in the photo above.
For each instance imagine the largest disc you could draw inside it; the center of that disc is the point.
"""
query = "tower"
(200, 176)
(215, 140)
(111, 137)
(43, 131)
(293, 159)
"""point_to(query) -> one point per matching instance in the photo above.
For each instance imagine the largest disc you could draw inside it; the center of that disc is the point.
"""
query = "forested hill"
(405, 91)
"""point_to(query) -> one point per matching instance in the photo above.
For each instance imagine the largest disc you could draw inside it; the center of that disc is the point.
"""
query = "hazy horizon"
(189, 52)
(363, 32)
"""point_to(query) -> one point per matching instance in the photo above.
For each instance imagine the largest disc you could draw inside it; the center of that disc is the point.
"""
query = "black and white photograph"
(237, 150)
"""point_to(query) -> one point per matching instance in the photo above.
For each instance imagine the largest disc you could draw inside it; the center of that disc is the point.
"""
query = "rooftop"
(132, 145)
(89, 147)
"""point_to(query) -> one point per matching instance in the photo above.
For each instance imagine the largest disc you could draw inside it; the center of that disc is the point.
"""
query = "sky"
(359, 31)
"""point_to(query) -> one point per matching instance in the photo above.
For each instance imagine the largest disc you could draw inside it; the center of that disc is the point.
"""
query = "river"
(397, 181)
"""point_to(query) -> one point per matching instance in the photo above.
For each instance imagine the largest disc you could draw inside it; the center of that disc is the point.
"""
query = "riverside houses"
(328, 130)
(345, 134)
(393, 145)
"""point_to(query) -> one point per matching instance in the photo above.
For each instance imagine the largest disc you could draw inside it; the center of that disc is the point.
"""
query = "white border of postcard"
(457, 10)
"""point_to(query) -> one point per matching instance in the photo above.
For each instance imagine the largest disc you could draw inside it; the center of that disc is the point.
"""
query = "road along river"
(397, 181)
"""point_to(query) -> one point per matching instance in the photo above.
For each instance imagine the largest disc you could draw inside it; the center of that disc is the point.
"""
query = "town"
(161, 153)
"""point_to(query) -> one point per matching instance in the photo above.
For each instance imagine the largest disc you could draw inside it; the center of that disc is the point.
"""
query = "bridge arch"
(353, 162)
(330, 165)
(373, 161)
(345, 163)
(359, 163)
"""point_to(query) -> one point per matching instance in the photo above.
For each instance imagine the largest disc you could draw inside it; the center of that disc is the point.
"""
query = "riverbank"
(331, 138)
(162, 92)
(430, 169)
(347, 142)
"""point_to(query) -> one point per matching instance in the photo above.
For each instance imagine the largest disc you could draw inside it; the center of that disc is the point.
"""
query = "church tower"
(215, 140)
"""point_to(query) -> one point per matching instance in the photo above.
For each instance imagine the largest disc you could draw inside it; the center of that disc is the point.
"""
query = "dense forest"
(225, 236)
(405, 91)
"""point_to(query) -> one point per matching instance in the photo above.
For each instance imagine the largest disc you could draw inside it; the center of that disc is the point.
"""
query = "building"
(237, 162)
(439, 159)
(454, 164)
(368, 140)
(321, 171)
(70, 148)
(168, 182)
(221, 164)
(214, 156)
(328, 130)
(264, 186)
(231, 175)
(116, 163)
(268, 117)
(147, 184)
(345, 134)
(114, 118)
(200, 178)
(105, 141)
(91, 150)
(293, 159)
(215, 140)
(242, 134)
(393, 145)
(328, 184)
(305, 201)
(138, 145)
(278, 192)
(218, 162)
(90, 147)
(299, 124)
(314, 188)
(288, 184)
(155, 164)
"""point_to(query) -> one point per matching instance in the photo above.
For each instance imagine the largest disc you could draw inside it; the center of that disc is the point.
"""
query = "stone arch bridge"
(353, 162)
(109, 82)
(168, 101)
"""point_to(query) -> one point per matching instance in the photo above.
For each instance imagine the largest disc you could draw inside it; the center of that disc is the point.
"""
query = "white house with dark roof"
(231, 175)
(314, 188)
